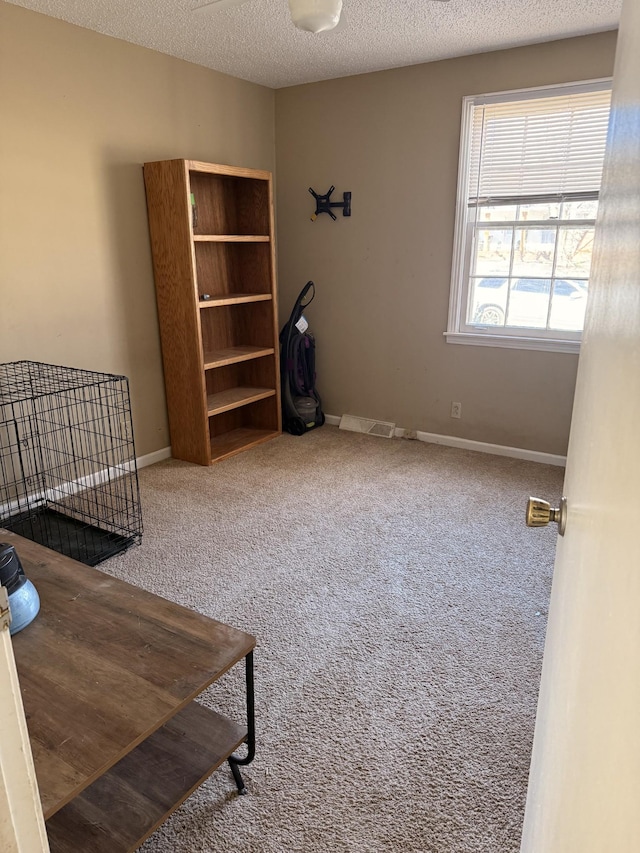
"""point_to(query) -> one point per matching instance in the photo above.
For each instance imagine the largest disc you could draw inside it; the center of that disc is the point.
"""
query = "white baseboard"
(478, 446)
(107, 474)
(152, 458)
(82, 483)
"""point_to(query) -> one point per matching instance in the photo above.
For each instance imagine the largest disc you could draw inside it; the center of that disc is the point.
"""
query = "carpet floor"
(399, 605)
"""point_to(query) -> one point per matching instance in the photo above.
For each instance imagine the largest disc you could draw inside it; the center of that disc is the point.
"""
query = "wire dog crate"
(68, 476)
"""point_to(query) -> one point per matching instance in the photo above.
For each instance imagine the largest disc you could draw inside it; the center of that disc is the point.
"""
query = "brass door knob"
(540, 513)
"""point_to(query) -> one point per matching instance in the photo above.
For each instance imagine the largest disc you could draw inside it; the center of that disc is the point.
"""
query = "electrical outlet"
(456, 410)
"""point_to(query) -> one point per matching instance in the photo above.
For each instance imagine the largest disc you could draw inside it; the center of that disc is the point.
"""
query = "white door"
(584, 786)
(21, 821)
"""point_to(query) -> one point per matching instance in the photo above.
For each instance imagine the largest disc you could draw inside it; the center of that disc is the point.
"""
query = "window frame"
(459, 331)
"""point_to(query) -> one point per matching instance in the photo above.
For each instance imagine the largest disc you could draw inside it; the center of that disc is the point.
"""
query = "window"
(528, 185)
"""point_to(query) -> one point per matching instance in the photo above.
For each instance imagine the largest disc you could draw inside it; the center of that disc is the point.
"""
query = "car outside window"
(529, 180)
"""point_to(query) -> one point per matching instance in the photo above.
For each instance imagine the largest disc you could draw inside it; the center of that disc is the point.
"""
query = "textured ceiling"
(258, 42)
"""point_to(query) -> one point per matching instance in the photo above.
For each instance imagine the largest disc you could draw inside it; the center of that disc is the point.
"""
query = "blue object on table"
(24, 601)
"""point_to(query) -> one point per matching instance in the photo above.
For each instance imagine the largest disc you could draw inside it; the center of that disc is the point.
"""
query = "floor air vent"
(380, 428)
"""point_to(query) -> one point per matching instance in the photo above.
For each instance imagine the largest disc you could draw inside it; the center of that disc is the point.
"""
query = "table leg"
(234, 760)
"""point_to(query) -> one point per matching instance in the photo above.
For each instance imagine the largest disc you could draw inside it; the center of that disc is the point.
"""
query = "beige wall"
(383, 276)
(79, 114)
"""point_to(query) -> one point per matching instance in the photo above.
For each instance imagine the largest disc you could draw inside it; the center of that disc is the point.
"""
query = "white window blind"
(538, 147)
(528, 184)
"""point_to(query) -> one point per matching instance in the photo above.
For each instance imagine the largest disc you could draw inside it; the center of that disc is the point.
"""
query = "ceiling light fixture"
(315, 16)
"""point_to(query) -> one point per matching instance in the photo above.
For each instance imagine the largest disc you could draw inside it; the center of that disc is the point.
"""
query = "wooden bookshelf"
(234, 299)
(232, 355)
(237, 440)
(230, 238)
(223, 401)
(212, 229)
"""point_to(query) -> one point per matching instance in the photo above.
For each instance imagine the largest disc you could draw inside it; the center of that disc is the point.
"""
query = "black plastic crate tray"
(76, 539)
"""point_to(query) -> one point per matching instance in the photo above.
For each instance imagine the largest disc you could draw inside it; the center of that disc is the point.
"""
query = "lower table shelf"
(124, 806)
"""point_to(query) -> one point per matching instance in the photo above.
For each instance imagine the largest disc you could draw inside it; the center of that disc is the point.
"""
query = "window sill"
(479, 339)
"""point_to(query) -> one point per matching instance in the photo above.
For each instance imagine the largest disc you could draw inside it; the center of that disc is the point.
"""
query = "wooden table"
(108, 674)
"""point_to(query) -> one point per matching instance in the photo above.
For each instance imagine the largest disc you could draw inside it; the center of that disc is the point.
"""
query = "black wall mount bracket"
(324, 204)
